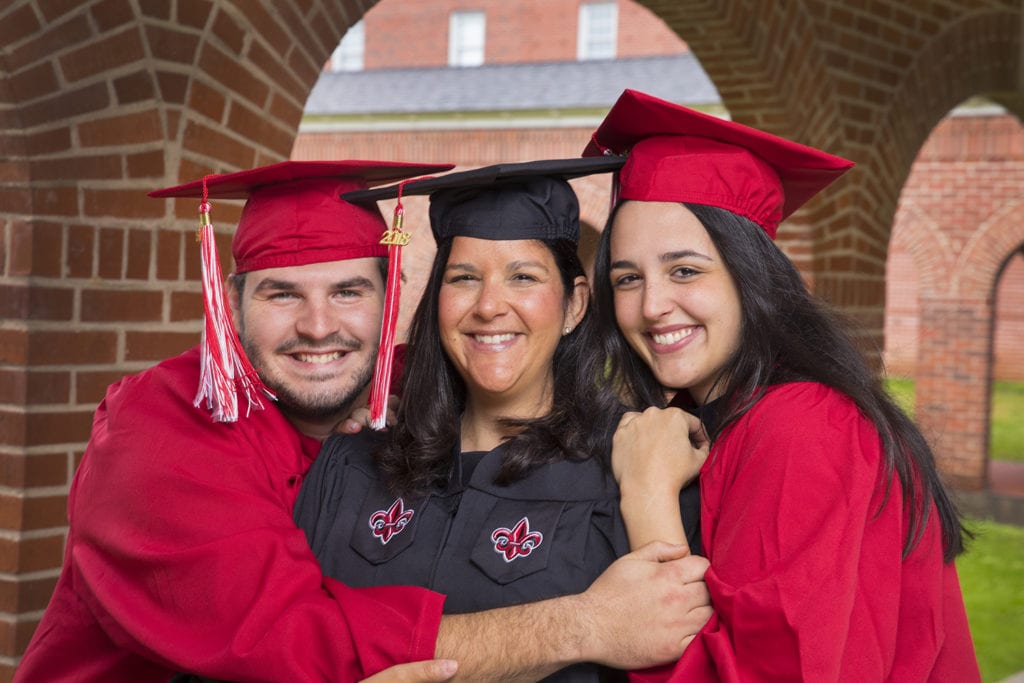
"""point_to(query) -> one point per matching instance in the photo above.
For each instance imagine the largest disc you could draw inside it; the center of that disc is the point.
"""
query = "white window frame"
(597, 30)
(467, 31)
(351, 51)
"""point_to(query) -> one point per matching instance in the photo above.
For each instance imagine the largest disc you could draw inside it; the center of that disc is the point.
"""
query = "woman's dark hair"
(418, 454)
(786, 335)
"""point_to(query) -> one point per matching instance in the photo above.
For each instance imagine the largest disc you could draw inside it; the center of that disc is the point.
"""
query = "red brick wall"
(101, 102)
(969, 167)
(414, 33)
(1008, 343)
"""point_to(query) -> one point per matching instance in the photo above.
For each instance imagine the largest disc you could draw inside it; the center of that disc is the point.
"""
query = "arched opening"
(1006, 433)
(952, 231)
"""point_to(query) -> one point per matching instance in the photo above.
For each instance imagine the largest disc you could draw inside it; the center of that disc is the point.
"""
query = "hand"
(646, 607)
(430, 671)
(360, 418)
(658, 451)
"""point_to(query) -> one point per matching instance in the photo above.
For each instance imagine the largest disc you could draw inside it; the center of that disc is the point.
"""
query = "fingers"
(627, 418)
(692, 567)
(658, 551)
(430, 671)
(348, 427)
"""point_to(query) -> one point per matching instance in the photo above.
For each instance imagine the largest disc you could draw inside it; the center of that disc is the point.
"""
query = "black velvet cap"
(530, 200)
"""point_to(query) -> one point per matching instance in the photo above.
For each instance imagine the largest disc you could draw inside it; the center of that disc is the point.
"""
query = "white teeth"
(672, 337)
(318, 358)
(494, 338)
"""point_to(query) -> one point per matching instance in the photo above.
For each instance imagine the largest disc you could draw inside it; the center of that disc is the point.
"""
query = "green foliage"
(992, 578)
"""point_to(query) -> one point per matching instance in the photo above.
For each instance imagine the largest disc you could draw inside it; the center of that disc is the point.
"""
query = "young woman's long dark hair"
(786, 335)
(418, 454)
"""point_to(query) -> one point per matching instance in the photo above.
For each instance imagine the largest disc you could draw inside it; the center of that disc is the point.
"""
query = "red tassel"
(381, 385)
(224, 368)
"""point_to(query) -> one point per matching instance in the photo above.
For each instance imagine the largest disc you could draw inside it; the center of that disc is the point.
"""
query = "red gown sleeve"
(184, 550)
(807, 578)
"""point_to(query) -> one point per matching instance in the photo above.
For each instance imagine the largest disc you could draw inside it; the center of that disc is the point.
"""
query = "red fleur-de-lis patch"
(518, 541)
(386, 523)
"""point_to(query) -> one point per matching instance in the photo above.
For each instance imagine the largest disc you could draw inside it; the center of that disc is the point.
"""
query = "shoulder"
(803, 421)
(343, 450)
(796, 405)
(168, 387)
(148, 422)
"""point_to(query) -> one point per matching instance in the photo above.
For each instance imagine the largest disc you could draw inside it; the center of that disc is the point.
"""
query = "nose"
(492, 300)
(655, 300)
(315, 320)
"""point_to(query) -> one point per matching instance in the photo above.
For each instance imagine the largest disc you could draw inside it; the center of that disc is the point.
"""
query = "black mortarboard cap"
(529, 200)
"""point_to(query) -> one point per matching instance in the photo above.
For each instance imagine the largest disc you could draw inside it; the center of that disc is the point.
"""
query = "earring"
(567, 330)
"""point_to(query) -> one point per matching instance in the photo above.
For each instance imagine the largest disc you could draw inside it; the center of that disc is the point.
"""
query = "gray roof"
(510, 87)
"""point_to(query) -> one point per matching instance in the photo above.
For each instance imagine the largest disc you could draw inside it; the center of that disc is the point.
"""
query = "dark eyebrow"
(358, 282)
(469, 267)
(270, 283)
(685, 253)
(515, 265)
(355, 283)
(667, 257)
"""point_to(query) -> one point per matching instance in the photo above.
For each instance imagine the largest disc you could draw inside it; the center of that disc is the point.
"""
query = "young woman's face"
(675, 302)
(501, 312)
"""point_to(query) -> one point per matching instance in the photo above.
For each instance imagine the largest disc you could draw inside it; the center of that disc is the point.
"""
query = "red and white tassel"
(224, 368)
(381, 385)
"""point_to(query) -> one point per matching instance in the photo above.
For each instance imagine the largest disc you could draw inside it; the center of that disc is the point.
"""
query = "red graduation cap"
(293, 216)
(677, 154)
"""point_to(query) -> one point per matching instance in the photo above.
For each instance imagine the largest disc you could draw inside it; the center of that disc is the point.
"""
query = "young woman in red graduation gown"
(830, 535)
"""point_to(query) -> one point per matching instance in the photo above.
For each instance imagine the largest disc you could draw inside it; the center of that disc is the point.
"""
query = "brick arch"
(987, 252)
(958, 217)
(955, 289)
(239, 74)
(973, 56)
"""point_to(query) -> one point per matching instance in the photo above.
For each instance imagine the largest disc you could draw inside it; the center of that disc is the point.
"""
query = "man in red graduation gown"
(182, 554)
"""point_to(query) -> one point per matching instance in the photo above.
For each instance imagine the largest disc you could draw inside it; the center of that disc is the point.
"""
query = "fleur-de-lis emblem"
(386, 523)
(518, 541)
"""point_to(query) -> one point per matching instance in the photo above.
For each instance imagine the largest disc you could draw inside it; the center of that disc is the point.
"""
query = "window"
(466, 39)
(348, 56)
(598, 29)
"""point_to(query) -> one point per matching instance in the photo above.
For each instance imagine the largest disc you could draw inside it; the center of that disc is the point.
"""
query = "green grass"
(992, 570)
(1007, 426)
(992, 578)
(902, 391)
(1007, 442)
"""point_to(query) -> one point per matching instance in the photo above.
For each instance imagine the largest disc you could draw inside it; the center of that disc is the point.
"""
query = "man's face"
(312, 333)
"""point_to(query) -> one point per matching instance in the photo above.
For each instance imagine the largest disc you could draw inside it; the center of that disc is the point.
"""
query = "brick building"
(103, 100)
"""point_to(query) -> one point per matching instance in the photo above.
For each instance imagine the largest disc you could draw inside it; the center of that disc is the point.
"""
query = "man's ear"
(232, 285)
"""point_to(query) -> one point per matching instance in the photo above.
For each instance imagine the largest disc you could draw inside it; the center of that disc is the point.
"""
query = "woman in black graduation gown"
(495, 486)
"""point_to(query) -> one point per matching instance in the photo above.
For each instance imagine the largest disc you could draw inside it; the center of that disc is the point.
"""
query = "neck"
(321, 427)
(482, 429)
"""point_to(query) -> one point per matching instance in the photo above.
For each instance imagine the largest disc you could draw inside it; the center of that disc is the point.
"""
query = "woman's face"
(501, 312)
(675, 302)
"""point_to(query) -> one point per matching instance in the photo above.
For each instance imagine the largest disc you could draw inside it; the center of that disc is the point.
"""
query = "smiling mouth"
(672, 337)
(318, 358)
(494, 338)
